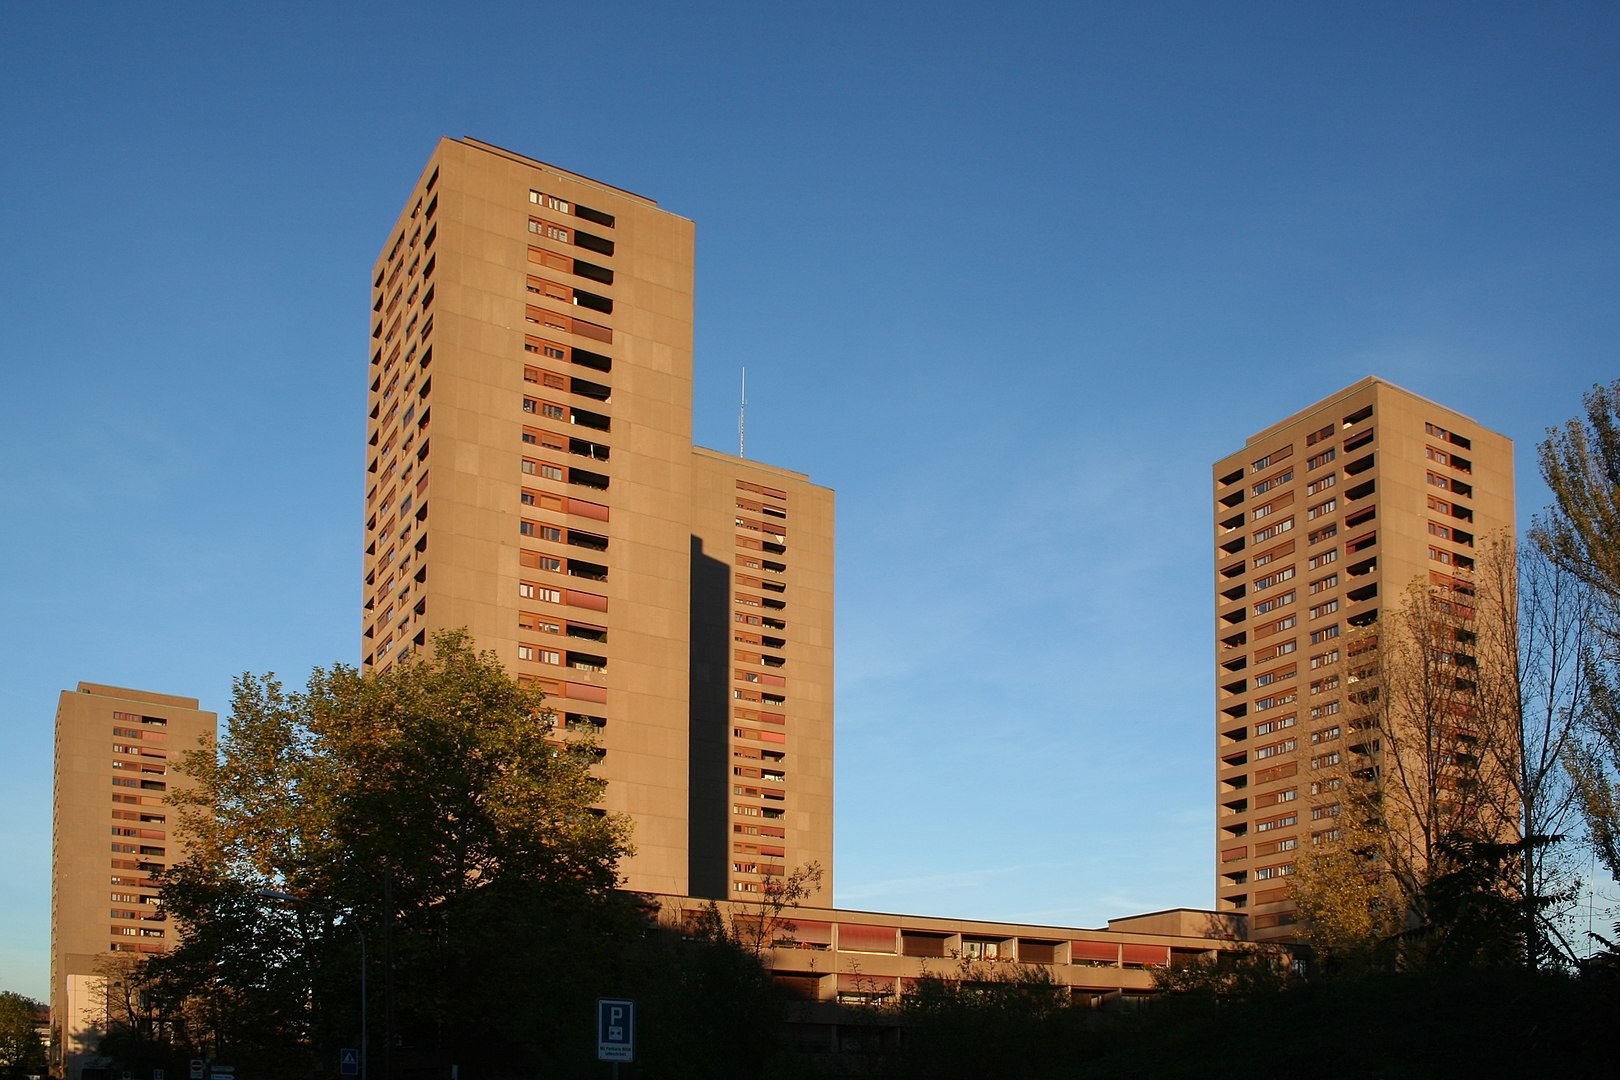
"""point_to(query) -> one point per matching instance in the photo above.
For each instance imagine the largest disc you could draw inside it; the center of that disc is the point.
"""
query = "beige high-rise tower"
(111, 831)
(531, 477)
(1321, 522)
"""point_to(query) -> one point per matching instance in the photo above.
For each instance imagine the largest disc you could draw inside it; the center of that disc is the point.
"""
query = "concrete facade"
(111, 831)
(1322, 521)
(531, 477)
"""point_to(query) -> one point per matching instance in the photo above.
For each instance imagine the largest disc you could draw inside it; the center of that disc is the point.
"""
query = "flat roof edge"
(150, 697)
(1370, 381)
(513, 155)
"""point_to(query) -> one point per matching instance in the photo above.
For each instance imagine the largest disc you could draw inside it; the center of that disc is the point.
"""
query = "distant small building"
(111, 831)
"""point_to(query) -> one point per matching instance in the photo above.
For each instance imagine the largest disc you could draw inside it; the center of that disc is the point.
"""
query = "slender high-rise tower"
(1322, 522)
(112, 832)
(531, 477)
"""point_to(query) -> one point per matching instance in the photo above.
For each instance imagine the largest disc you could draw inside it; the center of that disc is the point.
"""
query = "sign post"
(349, 1061)
(615, 1031)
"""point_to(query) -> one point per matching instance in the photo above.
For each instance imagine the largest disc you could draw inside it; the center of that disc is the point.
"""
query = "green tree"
(1581, 464)
(437, 809)
(1348, 906)
(984, 1019)
(755, 926)
(22, 1053)
(1229, 976)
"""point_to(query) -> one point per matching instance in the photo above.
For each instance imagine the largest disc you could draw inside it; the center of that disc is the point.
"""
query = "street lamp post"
(271, 894)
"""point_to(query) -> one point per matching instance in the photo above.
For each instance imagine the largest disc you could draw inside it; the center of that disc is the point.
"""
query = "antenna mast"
(742, 416)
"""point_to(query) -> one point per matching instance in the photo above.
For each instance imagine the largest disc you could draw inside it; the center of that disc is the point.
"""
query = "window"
(1321, 560)
(1266, 872)
(1284, 747)
(1272, 481)
(1320, 686)
(1322, 508)
(1324, 583)
(528, 590)
(1273, 530)
(1324, 634)
(535, 624)
(1437, 529)
(1325, 761)
(1275, 700)
(551, 472)
(1325, 735)
(1323, 659)
(1318, 486)
(550, 202)
(1326, 607)
(1331, 810)
(1269, 677)
(1440, 556)
(1274, 578)
(1326, 532)
(1332, 783)
(548, 230)
(1439, 457)
(536, 437)
(1276, 823)
(1439, 506)
(1274, 725)
(1328, 708)
(1438, 481)
(1274, 602)
(1322, 459)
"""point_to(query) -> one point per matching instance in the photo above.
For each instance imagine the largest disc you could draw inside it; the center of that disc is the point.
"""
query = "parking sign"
(615, 1029)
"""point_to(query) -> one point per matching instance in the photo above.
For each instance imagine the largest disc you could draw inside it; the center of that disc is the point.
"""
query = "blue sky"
(1007, 278)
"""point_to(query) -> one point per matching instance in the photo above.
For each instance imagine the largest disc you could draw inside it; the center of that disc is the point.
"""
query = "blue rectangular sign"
(615, 1029)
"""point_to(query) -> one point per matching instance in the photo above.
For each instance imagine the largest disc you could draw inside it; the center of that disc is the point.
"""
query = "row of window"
(558, 412)
(1273, 481)
(1276, 724)
(757, 535)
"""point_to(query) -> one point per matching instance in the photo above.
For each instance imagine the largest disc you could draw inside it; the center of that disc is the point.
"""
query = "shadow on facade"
(708, 724)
